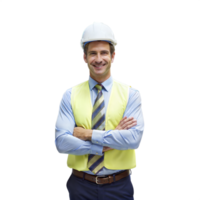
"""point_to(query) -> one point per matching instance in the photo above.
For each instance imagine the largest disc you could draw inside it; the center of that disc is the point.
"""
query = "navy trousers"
(81, 189)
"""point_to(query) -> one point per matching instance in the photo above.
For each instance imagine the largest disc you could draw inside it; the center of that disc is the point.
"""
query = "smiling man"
(99, 125)
(99, 59)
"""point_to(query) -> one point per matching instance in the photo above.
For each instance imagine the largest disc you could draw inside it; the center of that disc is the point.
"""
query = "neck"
(100, 79)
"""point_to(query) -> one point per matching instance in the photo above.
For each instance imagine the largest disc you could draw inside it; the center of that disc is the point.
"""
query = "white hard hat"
(98, 31)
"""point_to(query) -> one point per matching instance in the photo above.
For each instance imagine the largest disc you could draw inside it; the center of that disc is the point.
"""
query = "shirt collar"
(106, 84)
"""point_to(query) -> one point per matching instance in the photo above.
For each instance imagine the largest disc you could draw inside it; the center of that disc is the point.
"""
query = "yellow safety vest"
(82, 110)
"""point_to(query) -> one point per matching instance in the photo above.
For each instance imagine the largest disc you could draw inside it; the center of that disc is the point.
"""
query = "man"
(99, 125)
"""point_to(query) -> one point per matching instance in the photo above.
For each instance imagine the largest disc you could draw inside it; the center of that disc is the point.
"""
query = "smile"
(99, 66)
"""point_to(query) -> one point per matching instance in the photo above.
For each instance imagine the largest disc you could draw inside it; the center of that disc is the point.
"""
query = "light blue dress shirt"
(117, 139)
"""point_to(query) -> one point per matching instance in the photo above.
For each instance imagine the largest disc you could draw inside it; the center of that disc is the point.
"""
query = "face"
(99, 60)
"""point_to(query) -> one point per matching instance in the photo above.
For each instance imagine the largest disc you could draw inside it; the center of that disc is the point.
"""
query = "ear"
(113, 57)
(85, 57)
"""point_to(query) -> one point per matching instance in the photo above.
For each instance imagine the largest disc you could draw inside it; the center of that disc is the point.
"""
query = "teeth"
(98, 66)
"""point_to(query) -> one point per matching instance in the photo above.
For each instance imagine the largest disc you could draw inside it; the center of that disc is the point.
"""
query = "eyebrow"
(100, 52)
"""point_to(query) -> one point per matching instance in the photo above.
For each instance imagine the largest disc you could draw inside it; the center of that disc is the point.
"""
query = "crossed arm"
(86, 134)
(83, 134)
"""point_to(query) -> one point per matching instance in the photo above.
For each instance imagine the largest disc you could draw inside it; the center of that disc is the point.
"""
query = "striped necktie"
(95, 162)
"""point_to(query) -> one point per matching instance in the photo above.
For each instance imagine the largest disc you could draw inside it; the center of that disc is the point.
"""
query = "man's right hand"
(124, 124)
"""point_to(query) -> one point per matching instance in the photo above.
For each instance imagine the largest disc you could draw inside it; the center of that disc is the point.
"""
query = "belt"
(100, 179)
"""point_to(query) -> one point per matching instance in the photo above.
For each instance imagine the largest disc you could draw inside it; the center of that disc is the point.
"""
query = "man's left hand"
(83, 134)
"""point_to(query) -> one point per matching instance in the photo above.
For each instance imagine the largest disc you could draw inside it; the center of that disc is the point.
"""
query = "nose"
(98, 58)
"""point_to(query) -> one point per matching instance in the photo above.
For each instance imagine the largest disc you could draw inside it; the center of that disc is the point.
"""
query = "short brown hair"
(112, 48)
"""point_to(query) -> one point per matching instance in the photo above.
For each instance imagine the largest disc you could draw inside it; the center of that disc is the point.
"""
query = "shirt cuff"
(96, 149)
(97, 137)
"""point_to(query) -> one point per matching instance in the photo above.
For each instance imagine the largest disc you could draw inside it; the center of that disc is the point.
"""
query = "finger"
(131, 123)
(122, 121)
(128, 119)
(127, 122)
(124, 118)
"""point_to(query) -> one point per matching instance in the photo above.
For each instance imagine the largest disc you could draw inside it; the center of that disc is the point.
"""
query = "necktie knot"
(99, 87)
